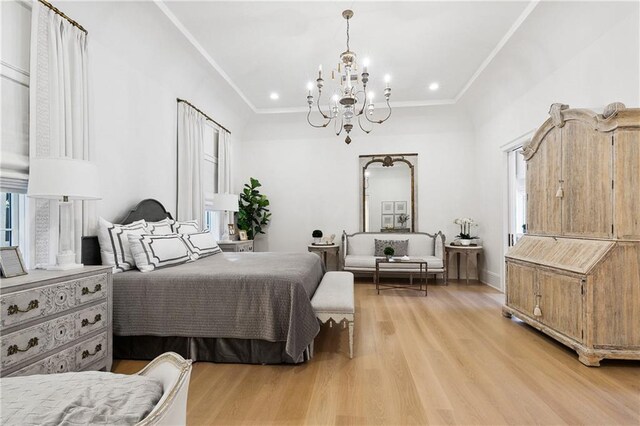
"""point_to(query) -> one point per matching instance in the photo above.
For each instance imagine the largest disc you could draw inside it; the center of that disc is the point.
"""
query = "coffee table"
(423, 274)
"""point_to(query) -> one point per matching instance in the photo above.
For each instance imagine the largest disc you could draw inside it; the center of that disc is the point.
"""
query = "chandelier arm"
(384, 119)
(341, 126)
(362, 128)
(320, 109)
(364, 102)
(316, 125)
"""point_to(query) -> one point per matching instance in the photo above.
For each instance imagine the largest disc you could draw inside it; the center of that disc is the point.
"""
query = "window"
(12, 217)
(212, 218)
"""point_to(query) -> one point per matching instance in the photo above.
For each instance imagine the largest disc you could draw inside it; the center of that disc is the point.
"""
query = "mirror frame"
(388, 160)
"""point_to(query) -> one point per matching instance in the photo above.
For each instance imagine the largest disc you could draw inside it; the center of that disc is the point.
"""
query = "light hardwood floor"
(449, 358)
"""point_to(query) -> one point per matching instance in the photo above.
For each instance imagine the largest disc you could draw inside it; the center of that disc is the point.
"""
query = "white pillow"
(114, 244)
(186, 227)
(161, 227)
(201, 244)
(157, 251)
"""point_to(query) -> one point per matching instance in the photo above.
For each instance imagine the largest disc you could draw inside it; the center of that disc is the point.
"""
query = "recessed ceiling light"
(274, 96)
(434, 86)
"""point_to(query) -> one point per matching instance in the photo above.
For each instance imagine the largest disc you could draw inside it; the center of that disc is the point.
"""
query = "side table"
(236, 246)
(322, 250)
(466, 251)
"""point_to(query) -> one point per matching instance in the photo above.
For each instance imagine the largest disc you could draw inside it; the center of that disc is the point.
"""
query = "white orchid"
(465, 224)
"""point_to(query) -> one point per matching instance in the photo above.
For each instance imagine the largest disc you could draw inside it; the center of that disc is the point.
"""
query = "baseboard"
(491, 279)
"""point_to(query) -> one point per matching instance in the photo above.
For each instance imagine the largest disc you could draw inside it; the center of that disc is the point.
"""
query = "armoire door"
(543, 178)
(521, 288)
(627, 184)
(561, 303)
(587, 209)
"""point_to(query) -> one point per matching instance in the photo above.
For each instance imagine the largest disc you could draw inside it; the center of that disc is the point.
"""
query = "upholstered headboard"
(150, 210)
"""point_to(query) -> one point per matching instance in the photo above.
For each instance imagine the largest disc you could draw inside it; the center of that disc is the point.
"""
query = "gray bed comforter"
(262, 296)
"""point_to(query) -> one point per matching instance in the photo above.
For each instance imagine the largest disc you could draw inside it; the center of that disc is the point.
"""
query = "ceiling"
(265, 47)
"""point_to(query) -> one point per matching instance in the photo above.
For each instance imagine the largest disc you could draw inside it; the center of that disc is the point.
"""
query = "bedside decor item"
(317, 236)
(347, 93)
(63, 179)
(237, 246)
(325, 249)
(389, 251)
(226, 203)
(253, 212)
(11, 263)
(243, 235)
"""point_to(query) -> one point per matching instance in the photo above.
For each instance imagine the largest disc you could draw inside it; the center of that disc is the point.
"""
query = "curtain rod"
(205, 115)
(59, 12)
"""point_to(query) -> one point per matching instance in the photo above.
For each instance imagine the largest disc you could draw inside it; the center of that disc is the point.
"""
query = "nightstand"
(56, 321)
(236, 246)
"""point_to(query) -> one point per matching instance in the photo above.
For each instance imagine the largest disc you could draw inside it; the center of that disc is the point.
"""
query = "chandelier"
(351, 90)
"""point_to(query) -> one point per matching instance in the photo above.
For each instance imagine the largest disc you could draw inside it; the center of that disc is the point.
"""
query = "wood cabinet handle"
(86, 322)
(97, 288)
(14, 309)
(14, 349)
(86, 353)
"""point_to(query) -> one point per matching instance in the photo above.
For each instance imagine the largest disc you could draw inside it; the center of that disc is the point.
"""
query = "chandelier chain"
(347, 35)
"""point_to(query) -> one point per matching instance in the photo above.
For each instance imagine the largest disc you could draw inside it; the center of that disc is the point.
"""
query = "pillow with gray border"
(400, 247)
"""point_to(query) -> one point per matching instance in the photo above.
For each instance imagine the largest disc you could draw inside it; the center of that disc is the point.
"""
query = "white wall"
(139, 64)
(582, 54)
(311, 176)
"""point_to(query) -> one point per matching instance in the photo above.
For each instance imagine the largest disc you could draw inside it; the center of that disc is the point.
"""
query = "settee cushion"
(369, 262)
(400, 247)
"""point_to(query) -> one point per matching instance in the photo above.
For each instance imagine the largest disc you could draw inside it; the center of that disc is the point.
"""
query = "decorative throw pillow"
(158, 251)
(114, 244)
(186, 227)
(400, 247)
(161, 227)
(201, 244)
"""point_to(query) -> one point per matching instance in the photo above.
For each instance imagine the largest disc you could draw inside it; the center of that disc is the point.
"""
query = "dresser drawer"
(17, 308)
(90, 351)
(33, 341)
(61, 362)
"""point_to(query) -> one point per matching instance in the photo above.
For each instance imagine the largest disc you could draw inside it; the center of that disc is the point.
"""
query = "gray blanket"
(262, 296)
(85, 398)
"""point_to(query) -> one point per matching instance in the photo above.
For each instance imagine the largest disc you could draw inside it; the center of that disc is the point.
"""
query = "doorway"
(517, 196)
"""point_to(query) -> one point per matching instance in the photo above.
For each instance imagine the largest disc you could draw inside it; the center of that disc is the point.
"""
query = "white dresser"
(56, 321)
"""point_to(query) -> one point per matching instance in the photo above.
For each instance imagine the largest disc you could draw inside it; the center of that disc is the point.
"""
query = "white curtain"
(58, 119)
(190, 156)
(224, 173)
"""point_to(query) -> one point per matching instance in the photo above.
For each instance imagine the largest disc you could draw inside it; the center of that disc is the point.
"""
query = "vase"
(317, 240)
(465, 242)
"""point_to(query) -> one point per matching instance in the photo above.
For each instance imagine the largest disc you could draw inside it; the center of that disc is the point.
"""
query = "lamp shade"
(225, 202)
(59, 177)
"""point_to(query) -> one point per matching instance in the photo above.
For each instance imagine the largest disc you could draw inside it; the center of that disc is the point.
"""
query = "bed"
(230, 307)
(156, 395)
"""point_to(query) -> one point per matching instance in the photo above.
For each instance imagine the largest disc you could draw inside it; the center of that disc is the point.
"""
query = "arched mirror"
(388, 193)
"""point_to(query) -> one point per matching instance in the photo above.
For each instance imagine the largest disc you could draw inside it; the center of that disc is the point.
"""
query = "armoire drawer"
(61, 362)
(17, 308)
(90, 351)
(35, 340)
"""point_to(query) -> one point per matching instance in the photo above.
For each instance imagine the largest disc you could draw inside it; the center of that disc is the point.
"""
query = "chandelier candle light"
(343, 108)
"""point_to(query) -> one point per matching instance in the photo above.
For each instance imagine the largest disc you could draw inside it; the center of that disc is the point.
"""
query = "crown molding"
(406, 104)
(178, 24)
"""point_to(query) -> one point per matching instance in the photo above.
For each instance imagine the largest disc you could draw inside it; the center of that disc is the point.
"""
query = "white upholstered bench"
(334, 301)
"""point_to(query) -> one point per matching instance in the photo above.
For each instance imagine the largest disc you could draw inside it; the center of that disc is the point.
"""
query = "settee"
(358, 252)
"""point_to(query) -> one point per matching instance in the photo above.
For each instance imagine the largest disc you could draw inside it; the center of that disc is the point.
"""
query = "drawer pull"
(97, 288)
(14, 349)
(86, 322)
(87, 354)
(14, 309)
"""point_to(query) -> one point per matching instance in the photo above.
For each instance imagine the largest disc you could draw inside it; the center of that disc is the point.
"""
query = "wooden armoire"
(575, 275)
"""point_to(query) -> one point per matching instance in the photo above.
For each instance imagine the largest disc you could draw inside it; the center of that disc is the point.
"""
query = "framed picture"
(243, 235)
(11, 263)
(232, 229)
(387, 207)
(387, 221)
(400, 207)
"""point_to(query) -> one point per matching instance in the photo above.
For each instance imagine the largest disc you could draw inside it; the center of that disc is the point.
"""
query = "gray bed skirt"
(221, 350)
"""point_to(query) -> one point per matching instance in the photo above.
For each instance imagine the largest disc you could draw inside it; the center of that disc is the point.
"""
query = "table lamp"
(225, 203)
(63, 179)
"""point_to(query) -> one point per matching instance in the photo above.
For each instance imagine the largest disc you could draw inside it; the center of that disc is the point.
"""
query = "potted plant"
(403, 219)
(389, 251)
(253, 212)
(465, 224)
(317, 236)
